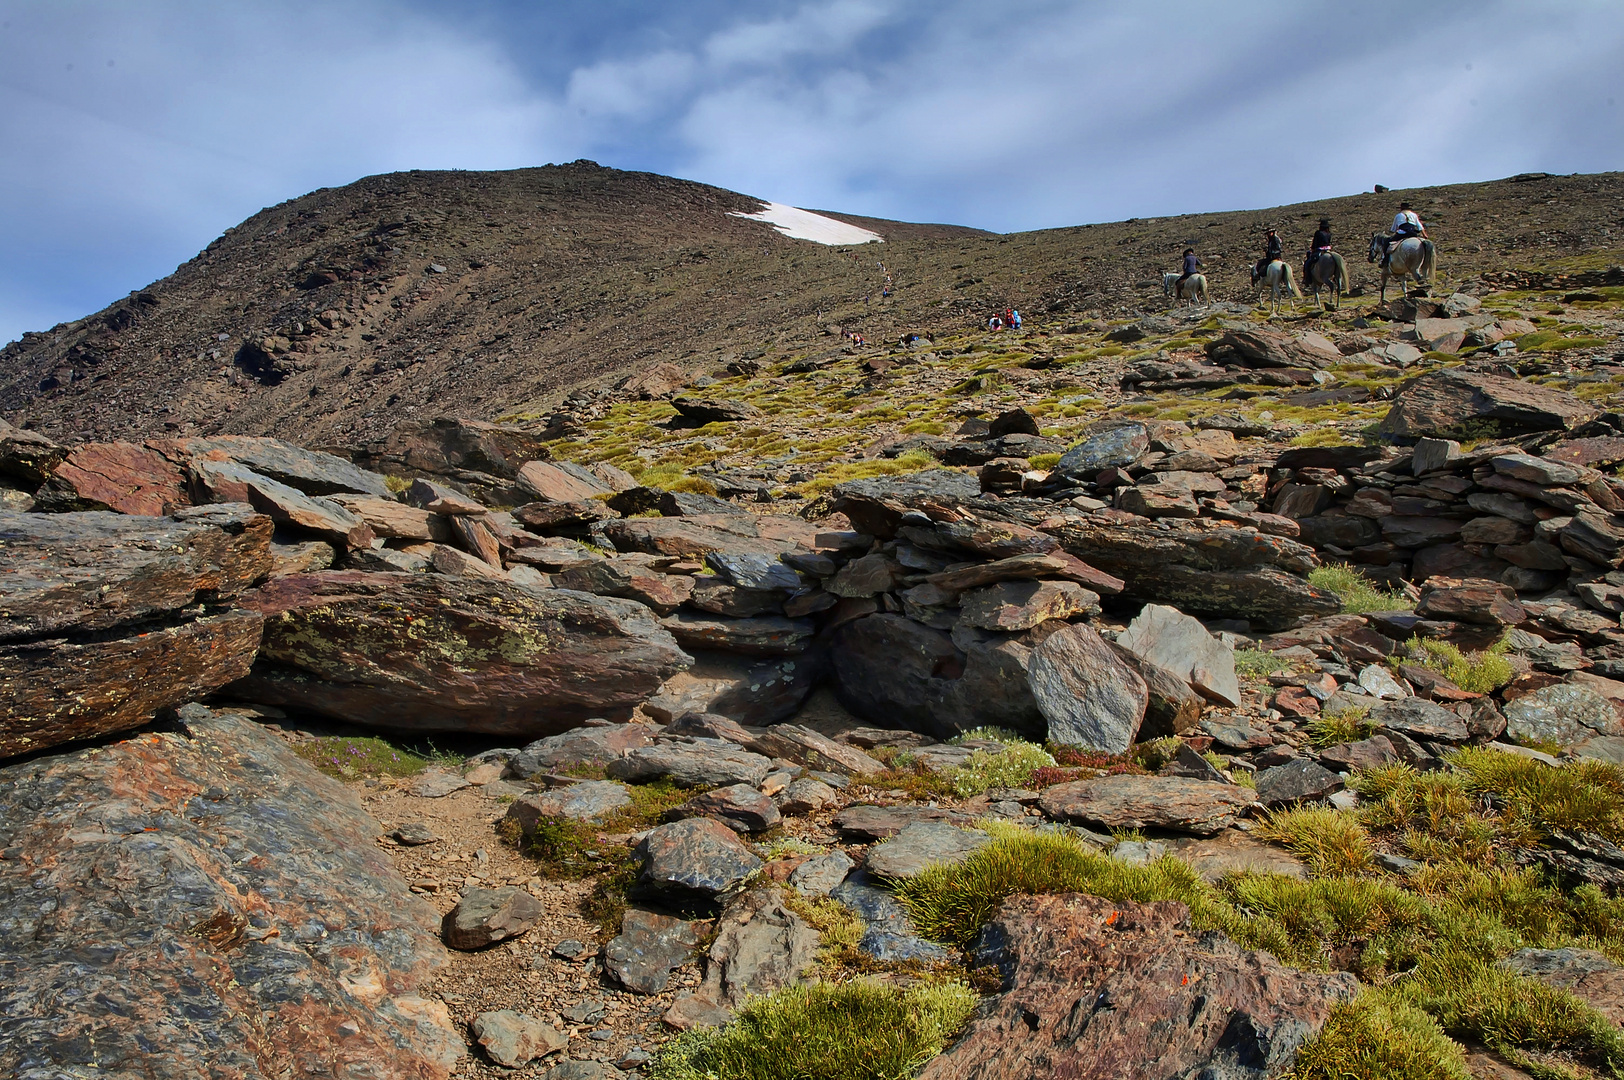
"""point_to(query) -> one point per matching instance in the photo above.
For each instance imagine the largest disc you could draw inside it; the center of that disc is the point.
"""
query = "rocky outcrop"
(1450, 403)
(202, 895)
(106, 619)
(1124, 991)
(427, 652)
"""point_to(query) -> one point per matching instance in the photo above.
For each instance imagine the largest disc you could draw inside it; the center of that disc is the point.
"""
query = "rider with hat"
(1192, 266)
(1406, 223)
(1318, 246)
(1273, 249)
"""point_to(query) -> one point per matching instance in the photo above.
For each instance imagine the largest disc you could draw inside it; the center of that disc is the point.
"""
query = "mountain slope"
(334, 315)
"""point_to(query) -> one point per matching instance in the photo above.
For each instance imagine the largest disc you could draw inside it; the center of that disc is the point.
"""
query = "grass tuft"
(858, 1030)
(1348, 725)
(1478, 673)
(1332, 843)
(1357, 592)
(1379, 1035)
(1258, 663)
(350, 758)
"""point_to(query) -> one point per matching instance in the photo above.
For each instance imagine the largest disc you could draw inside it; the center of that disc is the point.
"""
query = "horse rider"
(1273, 249)
(1192, 266)
(1317, 247)
(1406, 223)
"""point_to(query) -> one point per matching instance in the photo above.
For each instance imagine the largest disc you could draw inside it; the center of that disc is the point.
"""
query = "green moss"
(1377, 1035)
(858, 1030)
(350, 758)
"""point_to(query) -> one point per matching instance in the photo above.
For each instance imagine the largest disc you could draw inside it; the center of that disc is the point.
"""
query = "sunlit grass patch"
(353, 757)
(1357, 592)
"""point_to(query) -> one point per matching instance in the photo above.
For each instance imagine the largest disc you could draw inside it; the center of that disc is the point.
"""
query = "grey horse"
(1414, 257)
(1194, 289)
(1328, 271)
(1278, 277)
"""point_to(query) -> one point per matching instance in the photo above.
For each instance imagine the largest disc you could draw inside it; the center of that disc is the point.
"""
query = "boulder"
(738, 806)
(699, 535)
(764, 635)
(1086, 693)
(748, 690)
(178, 954)
(820, 874)
(892, 670)
(1114, 447)
(560, 482)
(1419, 719)
(1560, 714)
(807, 795)
(1116, 989)
(698, 411)
(1222, 572)
(631, 579)
(588, 800)
(484, 917)
(1299, 780)
(1140, 802)
(27, 458)
(597, 744)
(439, 499)
(428, 652)
(448, 446)
(923, 844)
(1172, 707)
(648, 949)
(875, 506)
(693, 860)
(1487, 603)
(760, 946)
(692, 763)
(313, 472)
(289, 506)
(1441, 403)
(1167, 637)
(1259, 348)
(101, 624)
(118, 476)
(512, 1039)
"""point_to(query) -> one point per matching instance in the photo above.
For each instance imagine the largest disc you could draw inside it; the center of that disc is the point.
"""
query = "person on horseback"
(1406, 223)
(1320, 244)
(1192, 266)
(1272, 250)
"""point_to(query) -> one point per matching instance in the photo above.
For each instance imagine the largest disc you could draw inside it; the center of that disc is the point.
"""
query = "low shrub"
(350, 758)
(1258, 663)
(857, 1030)
(1378, 1035)
(1011, 767)
(1479, 672)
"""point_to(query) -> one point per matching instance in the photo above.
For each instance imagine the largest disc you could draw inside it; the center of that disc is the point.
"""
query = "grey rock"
(1011, 606)
(513, 1039)
(583, 1070)
(763, 635)
(693, 859)
(1167, 637)
(1116, 446)
(761, 946)
(738, 806)
(1086, 693)
(806, 795)
(864, 822)
(1562, 714)
(486, 916)
(889, 935)
(414, 834)
(1296, 781)
(1137, 802)
(924, 844)
(436, 784)
(692, 763)
(820, 874)
(754, 571)
(648, 949)
(1420, 720)
(588, 800)
(596, 745)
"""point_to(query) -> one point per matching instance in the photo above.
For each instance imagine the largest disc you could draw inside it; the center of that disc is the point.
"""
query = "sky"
(134, 133)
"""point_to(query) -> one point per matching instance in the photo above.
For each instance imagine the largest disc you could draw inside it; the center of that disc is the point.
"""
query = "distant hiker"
(1014, 319)
(1406, 223)
(1317, 247)
(1272, 250)
(1192, 267)
(1009, 318)
(995, 323)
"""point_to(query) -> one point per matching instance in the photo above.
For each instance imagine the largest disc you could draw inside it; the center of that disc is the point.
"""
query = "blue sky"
(134, 133)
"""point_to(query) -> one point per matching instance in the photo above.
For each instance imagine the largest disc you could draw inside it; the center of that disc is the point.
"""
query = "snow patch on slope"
(805, 225)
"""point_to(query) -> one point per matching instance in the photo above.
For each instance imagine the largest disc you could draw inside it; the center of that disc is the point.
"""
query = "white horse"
(1194, 289)
(1278, 278)
(1414, 256)
(1330, 272)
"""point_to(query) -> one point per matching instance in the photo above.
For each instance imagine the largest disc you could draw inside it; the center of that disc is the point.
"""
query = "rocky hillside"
(484, 294)
(1194, 692)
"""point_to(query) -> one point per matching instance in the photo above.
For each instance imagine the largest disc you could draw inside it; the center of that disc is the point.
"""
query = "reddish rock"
(1114, 990)
(428, 652)
(631, 580)
(144, 930)
(1442, 402)
(555, 483)
(1052, 564)
(1295, 701)
(388, 518)
(1470, 600)
(699, 534)
(117, 476)
(476, 538)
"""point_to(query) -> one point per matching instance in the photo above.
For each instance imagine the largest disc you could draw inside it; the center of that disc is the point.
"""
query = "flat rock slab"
(1301, 780)
(867, 823)
(648, 949)
(118, 476)
(161, 894)
(313, 472)
(434, 653)
(1562, 714)
(1171, 639)
(820, 874)
(1140, 802)
(698, 535)
(803, 746)
(918, 846)
(1441, 402)
(1420, 720)
(1085, 691)
(1235, 852)
(76, 572)
(1182, 1003)
(696, 859)
(738, 806)
(764, 635)
(486, 916)
(888, 935)
(436, 784)
(692, 763)
(594, 745)
(875, 506)
(760, 946)
(588, 800)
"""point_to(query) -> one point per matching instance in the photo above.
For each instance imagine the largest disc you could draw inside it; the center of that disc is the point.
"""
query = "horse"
(1193, 290)
(1328, 271)
(1414, 256)
(1277, 276)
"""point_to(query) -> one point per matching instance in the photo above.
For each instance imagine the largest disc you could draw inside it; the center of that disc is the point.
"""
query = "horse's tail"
(1428, 260)
(1341, 271)
(1291, 279)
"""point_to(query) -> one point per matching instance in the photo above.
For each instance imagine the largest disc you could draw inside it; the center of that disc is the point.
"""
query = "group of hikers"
(1009, 320)
(1406, 223)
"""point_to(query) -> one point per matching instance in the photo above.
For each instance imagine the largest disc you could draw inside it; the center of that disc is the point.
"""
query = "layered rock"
(203, 895)
(427, 652)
